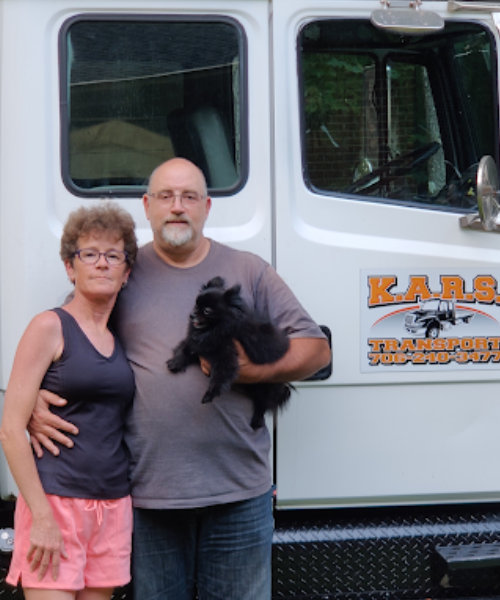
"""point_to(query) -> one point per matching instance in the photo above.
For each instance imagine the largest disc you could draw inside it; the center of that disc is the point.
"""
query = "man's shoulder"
(146, 260)
(145, 251)
(241, 257)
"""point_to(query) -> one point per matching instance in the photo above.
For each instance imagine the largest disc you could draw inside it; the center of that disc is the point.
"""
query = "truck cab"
(342, 141)
(433, 316)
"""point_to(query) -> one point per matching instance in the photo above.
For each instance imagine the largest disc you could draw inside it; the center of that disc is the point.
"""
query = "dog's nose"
(193, 317)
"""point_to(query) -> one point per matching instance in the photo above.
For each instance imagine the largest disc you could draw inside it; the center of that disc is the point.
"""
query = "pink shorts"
(97, 538)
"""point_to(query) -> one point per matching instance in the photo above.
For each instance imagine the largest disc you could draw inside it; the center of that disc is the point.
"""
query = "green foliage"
(333, 84)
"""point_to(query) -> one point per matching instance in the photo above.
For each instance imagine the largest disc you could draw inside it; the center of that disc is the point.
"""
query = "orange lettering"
(494, 343)
(466, 343)
(418, 287)
(424, 344)
(391, 345)
(439, 344)
(452, 287)
(480, 344)
(485, 289)
(406, 345)
(376, 345)
(379, 290)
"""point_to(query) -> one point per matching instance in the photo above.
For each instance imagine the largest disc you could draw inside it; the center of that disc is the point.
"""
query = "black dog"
(220, 316)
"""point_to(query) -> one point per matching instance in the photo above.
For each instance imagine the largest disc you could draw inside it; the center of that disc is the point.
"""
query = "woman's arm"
(41, 343)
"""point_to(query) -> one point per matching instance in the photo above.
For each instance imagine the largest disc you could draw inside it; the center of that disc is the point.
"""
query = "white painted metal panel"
(382, 437)
(34, 203)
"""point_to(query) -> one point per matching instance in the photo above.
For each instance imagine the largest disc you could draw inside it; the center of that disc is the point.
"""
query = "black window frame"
(122, 191)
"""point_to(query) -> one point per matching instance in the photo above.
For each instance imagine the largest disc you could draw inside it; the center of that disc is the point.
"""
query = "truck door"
(100, 96)
(378, 136)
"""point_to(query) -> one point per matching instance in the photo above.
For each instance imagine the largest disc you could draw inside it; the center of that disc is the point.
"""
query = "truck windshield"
(431, 305)
(398, 118)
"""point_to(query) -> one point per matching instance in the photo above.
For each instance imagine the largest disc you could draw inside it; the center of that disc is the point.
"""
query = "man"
(200, 474)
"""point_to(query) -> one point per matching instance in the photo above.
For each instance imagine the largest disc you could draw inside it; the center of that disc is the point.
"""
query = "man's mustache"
(180, 220)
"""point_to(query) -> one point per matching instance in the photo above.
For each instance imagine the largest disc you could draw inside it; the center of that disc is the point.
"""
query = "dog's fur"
(220, 316)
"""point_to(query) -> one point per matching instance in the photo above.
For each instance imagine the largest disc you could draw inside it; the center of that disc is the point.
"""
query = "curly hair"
(103, 217)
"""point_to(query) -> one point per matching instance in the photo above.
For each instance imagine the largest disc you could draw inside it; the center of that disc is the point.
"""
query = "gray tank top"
(99, 391)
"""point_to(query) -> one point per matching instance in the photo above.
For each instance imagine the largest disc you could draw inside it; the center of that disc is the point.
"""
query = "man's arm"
(305, 357)
(44, 426)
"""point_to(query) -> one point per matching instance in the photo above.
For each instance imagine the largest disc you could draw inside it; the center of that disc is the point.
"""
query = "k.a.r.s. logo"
(434, 319)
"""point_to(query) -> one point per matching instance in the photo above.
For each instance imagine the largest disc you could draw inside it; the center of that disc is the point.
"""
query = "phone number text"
(425, 358)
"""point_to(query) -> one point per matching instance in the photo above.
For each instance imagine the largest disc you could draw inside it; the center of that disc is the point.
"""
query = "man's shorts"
(97, 538)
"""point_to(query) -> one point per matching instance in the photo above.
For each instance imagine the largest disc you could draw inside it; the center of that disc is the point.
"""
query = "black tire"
(432, 331)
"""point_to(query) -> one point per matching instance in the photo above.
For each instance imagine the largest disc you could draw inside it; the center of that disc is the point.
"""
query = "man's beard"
(177, 237)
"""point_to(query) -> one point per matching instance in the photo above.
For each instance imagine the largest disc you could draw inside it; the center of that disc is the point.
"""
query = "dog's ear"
(216, 282)
(232, 296)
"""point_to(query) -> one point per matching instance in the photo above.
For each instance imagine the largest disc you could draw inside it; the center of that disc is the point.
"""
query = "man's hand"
(249, 372)
(44, 427)
(305, 357)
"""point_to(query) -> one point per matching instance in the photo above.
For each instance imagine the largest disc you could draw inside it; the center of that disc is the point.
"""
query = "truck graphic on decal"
(434, 316)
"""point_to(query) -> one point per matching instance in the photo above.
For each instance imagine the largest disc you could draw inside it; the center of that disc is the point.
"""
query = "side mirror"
(487, 190)
(487, 193)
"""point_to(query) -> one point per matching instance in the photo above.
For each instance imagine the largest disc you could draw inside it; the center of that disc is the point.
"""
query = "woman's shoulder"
(43, 335)
(46, 322)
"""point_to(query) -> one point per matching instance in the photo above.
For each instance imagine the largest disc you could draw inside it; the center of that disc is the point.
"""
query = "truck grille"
(409, 319)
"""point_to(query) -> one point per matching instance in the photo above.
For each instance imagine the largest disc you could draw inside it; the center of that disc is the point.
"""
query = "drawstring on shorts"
(98, 506)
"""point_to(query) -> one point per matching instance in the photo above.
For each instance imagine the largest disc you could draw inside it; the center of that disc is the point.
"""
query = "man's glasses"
(187, 198)
(90, 256)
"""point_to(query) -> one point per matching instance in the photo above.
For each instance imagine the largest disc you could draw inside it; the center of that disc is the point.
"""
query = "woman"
(73, 516)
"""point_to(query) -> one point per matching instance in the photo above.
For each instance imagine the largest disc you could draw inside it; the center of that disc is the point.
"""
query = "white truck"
(344, 142)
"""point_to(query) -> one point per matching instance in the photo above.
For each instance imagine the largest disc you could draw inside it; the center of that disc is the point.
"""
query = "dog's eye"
(207, 311)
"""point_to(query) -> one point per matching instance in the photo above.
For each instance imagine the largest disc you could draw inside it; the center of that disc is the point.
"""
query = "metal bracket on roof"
(406, 17)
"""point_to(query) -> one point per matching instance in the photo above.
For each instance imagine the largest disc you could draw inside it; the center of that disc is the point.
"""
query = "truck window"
(398, 119)
(136, 92)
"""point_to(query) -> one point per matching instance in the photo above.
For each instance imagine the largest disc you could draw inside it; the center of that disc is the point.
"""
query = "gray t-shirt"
(185, 454)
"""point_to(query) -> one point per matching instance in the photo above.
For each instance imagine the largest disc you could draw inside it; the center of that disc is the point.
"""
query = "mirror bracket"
(454, 5)
(471, 221)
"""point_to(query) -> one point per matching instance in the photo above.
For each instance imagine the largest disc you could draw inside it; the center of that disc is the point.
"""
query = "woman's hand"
(46, 546)
(205, 366)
